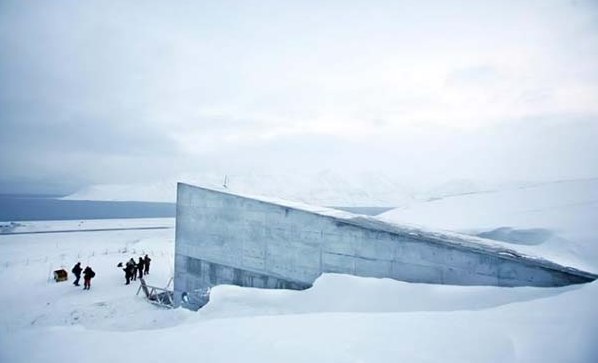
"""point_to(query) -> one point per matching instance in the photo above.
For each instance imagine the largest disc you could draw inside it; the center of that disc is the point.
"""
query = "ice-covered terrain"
(554, 220)
(341, 319)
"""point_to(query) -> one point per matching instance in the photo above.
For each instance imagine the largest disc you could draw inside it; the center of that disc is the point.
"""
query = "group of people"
(88, 274)
(131, 269)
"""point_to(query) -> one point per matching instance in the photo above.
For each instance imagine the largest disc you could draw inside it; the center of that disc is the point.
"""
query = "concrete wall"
(223, 238)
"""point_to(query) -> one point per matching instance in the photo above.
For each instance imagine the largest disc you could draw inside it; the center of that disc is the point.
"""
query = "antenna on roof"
(225, 181)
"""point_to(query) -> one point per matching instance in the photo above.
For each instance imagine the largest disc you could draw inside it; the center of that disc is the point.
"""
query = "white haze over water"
(106, 92)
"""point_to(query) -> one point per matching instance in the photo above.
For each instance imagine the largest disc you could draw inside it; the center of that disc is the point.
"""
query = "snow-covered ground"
(84, 225)
(556, 220)
(32, 299)
(341, 319)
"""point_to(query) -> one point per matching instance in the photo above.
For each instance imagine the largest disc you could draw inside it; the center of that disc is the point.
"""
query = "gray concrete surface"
(223, 238)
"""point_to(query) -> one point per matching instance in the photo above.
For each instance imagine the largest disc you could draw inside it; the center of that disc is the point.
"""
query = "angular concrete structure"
(224, 238)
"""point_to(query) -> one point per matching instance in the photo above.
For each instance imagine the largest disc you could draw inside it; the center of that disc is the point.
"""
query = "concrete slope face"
(223, 238)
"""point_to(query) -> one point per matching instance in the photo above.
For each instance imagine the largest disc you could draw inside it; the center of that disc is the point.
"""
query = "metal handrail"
(157, 295)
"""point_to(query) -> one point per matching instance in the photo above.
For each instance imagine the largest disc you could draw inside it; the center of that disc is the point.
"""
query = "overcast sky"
(133, 91)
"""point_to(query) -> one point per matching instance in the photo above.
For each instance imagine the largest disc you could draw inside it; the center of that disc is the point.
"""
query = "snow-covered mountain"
(323, 188)
(328, 188)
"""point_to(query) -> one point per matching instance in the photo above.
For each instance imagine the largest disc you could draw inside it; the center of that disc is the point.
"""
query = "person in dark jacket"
(134, 273)
(129, 270)
(77, 272)
(88, 274)
(127, 276)
(140, 266)
(146, 264)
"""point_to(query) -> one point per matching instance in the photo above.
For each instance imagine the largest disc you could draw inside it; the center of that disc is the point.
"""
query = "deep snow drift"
(341, 319)
(553, 220)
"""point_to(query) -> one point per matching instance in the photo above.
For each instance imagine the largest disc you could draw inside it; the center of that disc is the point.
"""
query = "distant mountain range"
(324, 188)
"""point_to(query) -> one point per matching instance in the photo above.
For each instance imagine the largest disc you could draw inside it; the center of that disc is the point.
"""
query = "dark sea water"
(15, 207)
(37, 208)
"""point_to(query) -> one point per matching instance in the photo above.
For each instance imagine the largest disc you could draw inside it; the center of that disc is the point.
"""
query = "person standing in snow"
(77, 272)
(129, 271)
(88, 274)
(134, 272)
(140, 266)
(146, 264)
(127, 275)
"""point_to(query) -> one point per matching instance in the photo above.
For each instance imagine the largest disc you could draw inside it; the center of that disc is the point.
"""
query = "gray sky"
(127, 92)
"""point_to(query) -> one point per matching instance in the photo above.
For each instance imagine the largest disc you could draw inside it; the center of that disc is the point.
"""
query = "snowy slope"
(553, 220)
(341, 319)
